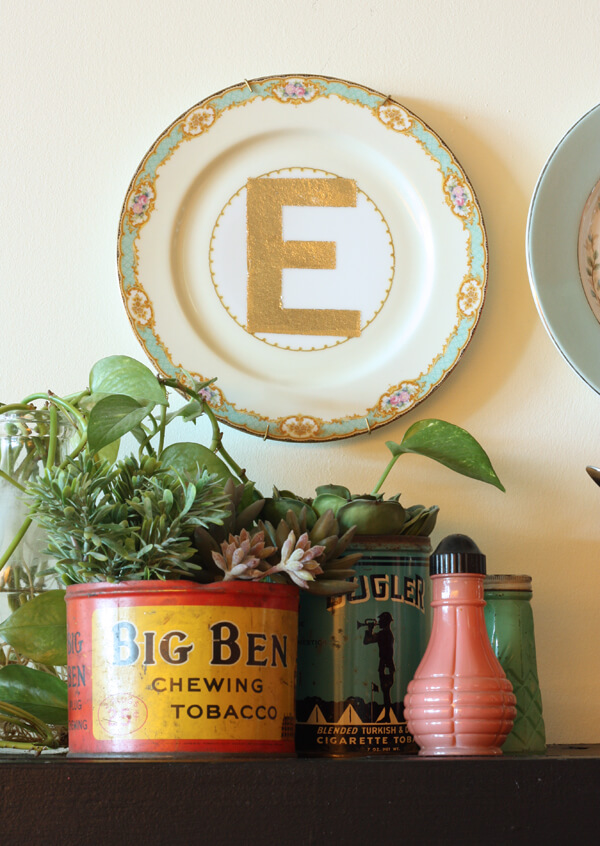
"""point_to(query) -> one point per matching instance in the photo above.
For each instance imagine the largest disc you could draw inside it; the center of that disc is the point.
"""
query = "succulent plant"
(247, 557)
(335, 564)
(244, 506)
(314, 559)
(280, 503)
(373, 514)
(297, 560)
(242, 555)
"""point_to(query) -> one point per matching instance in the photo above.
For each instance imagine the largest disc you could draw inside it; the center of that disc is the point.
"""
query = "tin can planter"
(357, 653)
(162, 668)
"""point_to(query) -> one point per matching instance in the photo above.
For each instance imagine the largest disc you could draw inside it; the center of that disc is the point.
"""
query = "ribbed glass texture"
(509, 622)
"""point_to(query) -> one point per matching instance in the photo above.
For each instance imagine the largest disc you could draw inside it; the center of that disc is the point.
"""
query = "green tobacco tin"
(358, 652)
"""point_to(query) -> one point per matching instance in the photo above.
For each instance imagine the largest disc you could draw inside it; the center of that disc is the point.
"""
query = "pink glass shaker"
(459, 701)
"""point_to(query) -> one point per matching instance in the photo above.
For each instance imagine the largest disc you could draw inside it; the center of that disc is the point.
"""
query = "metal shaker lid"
(507, 582)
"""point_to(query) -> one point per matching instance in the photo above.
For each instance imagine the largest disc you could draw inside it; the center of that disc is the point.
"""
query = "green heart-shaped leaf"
(39, 693)
(113, 417)
(451, 446)
(110, 453)
(120, 374)
(188, 458)
(38, 629)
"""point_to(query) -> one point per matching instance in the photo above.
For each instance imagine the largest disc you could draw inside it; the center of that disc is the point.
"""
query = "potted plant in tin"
(352, 687)
(389, 595)
(123, 397)
(135, 525)
(373, 514)
(105, 519)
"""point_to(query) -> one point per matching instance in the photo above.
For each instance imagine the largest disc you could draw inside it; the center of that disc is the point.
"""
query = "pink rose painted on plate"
(459, 198)
(403, 397)
(399, 398)
(140, 203)
(295, 89)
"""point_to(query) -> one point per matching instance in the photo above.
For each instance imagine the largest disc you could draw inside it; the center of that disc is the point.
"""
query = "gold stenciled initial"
(269, 254)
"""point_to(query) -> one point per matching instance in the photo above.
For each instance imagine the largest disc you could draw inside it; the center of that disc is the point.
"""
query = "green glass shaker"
(509, 622)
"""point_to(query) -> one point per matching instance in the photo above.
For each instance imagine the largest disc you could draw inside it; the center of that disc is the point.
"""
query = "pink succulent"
(297, 560)
(242, 556)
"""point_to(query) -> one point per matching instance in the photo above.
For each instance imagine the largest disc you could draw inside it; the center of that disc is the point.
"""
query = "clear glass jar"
(26, 441)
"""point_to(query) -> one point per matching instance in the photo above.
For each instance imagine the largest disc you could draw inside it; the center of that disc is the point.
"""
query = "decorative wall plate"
(313, 245)
(562, 246)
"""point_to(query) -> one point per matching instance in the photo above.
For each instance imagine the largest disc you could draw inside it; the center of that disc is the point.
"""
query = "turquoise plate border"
(411, 389)
(563, 187)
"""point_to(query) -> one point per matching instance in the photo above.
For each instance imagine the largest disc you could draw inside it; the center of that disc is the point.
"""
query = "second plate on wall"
(563, 230)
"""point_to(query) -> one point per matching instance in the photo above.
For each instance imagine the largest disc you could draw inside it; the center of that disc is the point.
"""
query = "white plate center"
(347, 251)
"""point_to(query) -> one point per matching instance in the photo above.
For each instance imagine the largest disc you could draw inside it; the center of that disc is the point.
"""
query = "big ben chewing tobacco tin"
(358, 652)
(163, 668)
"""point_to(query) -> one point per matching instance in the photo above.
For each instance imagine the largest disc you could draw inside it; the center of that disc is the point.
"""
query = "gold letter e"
(269, 254)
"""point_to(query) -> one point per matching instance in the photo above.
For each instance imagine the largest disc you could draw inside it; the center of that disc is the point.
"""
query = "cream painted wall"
(85, 87)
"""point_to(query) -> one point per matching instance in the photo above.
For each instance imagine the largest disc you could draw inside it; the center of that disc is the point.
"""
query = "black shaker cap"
(456, 554)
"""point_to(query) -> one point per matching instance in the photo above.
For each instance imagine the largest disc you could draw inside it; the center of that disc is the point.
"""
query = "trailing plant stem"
(24, 720)
(15, 744)
(52, 436)
(216, 444)
(10, 479)
(15, 541)
(69, 410)
(67, 407)
(15, 406)
(384, 475)
(75, 399)
(162, 428)
(146, 443)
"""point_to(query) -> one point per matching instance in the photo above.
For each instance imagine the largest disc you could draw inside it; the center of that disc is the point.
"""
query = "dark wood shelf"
(52, 799)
